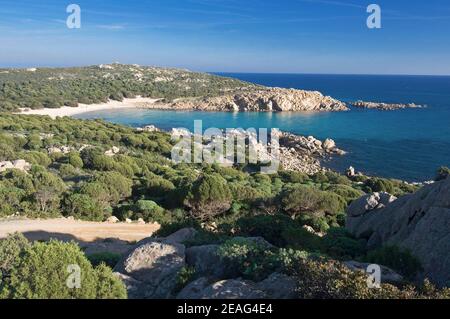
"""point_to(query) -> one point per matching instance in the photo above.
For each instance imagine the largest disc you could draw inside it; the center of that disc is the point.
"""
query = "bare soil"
(92, 236)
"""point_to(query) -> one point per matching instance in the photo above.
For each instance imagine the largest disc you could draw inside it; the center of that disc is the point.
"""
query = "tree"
(98, 191)
(84, 207)
(303, 199)
(47, 199)
(209, 196)
(157, 186)
(151, 212)
(10, 200)
(119, 186)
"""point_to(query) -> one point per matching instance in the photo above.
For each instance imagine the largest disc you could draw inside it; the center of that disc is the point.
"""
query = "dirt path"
(80, 231)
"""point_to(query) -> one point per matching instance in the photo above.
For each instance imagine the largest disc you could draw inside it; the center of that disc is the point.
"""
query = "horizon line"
(321, 73)
(229, 72)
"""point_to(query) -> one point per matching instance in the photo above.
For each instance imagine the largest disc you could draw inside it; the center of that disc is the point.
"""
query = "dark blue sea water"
(407, 144)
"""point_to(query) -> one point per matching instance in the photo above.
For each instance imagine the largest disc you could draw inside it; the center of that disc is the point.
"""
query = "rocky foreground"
(149, 270)
(419, 222)
(258, 99)
(384, 106)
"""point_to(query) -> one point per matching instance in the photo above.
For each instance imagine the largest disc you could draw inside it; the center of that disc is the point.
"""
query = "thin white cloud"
(111, 27)
(335, 3)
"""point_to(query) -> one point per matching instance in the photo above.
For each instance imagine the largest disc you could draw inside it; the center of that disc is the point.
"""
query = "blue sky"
(292, 36)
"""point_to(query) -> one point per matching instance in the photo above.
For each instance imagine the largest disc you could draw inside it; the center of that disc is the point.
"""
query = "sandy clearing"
(81, 231)
(138, 102)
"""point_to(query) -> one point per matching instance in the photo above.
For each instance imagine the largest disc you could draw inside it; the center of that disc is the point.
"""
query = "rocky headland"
(256, 99)
(385, 106)
(304, 154)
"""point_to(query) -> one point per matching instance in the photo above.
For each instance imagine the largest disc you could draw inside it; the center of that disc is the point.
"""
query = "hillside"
(175, 89)
(54, 87)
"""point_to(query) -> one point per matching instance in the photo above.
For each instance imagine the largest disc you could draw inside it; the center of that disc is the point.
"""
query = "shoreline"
(63, 111)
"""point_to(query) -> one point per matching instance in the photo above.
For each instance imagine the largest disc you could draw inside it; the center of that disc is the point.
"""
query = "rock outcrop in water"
(384, 106)
(303, 154)
(419, 222)
(261, 99)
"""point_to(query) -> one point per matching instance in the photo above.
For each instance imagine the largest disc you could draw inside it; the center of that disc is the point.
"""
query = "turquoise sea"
(407, 144)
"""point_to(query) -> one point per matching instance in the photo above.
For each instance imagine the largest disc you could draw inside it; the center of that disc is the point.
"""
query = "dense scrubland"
(53, 88)
(222, 203)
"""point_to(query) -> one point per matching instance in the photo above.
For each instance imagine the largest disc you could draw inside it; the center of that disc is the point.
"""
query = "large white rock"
(329, 144)
(223, 289)
(276, 286)
(419, 222)
(155, 265)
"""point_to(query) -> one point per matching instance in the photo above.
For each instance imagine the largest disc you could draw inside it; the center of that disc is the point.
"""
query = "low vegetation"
(40, 271)
(301, 216)
(53, 88)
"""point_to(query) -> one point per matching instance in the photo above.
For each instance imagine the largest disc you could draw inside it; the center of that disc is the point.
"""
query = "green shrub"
(270, 227)
(319, 279)
(209, 197)
(204, 237)
(75, 160)
(294, 177)
(42, 273)
(303, 199)
(67, 170)
(400, 260)
(339, 244)
(37, 158)
(118, 186)
(442, 173)
(336, 178)
(10, 250)
(301, 239)
(156, 186)
(108, 258)
(34, 142)
(318, 223)
(108, 285)
(348, 193)
(11, 199)
(380, 185)
(150, 212)
(84, 207)
(169, 229)
(184, 276)
(320, 178)
(247, 258)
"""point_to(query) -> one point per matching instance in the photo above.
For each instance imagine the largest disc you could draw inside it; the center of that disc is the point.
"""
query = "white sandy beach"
(139, 102)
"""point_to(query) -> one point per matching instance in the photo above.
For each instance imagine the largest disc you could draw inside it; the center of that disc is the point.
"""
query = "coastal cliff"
(261, 99)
